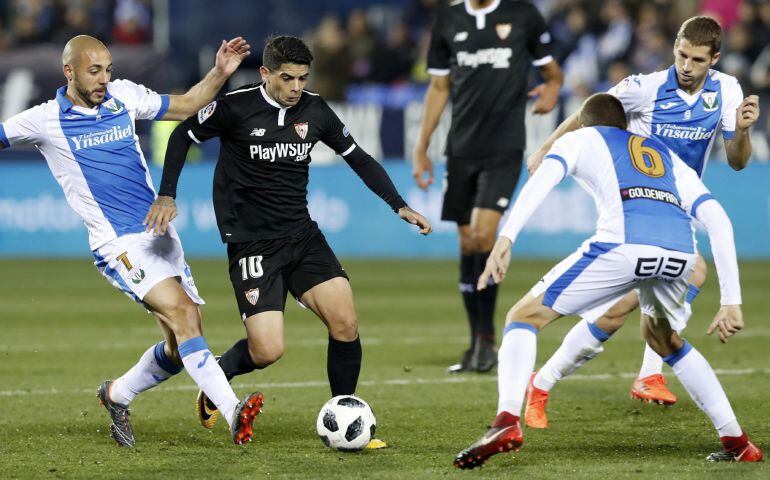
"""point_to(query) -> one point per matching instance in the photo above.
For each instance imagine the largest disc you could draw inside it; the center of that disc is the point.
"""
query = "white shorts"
(598, 274)
(136, 262)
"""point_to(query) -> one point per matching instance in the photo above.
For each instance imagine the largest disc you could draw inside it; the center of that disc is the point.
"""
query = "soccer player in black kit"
(267, 131)
(479, 55)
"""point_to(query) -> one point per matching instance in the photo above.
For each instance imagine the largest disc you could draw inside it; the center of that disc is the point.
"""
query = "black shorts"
(486, 182)
(263, 271)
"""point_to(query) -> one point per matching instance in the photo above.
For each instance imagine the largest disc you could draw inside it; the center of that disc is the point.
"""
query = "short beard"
(85, 95)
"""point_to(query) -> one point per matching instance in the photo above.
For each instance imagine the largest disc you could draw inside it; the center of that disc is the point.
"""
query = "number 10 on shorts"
(251, 267)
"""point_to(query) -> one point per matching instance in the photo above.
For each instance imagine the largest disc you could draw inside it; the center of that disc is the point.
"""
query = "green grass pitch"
(63, 330)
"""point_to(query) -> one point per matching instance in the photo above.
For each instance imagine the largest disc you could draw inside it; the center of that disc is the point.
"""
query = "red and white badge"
(301, 129)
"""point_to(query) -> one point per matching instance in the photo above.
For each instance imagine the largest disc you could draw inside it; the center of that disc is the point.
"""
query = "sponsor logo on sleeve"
(345, 132)
(207, 111)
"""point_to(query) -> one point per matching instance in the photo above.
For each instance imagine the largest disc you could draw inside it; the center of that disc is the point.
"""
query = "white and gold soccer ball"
(346, 422)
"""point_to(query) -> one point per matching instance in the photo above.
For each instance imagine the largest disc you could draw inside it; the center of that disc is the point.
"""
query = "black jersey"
(487, 53)
(260, 181)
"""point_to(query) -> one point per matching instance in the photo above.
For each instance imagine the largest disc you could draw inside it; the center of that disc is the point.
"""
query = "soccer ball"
(346, 422)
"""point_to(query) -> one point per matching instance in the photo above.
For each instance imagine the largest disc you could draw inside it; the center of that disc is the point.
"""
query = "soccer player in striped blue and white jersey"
(646, 198)
(685, 107)
(87, 135)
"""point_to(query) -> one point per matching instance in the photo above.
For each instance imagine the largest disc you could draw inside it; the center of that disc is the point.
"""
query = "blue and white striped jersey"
(644, 193)
(94, 154)
(687, 124)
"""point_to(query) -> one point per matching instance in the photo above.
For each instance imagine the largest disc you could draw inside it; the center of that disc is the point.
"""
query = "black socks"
(485, 301)
(343, 364)
(237, 360)
(468, 279)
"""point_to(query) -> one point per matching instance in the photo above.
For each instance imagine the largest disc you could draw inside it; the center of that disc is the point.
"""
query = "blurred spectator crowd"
(30, 22)
(381, 46)
(597, 42)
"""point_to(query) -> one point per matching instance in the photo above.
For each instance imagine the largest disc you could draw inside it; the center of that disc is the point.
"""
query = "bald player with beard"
(87, 135)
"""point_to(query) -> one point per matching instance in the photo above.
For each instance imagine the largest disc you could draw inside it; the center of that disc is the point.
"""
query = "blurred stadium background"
(370, 63)
(63, 329)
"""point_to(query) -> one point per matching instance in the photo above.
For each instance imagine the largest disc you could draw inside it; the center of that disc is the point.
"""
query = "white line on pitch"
(390, 382)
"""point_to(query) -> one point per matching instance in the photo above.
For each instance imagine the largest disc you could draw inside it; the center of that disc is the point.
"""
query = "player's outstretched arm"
(163, 209)
(415, 218)
(738, 149)
(228, 59)
(547, 93)
(531, 196)
(435, 101)
(729, 319)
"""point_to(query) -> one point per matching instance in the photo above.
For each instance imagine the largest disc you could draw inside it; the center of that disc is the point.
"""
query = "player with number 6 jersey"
(685, 107)
(645, 197)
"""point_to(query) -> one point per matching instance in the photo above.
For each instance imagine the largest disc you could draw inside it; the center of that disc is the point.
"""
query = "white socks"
(204, 369)
(652, 363)
(700, 381)
(153, 367)
(516, 360)
(582, 343)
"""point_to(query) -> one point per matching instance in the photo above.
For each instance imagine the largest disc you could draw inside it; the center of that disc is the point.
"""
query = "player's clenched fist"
(161, 212)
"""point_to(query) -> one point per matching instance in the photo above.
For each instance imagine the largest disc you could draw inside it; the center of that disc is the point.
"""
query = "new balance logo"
(258, 132)
(461, 36)
(668, 105)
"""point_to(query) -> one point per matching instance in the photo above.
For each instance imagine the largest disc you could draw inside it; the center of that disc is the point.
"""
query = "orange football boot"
(652, 389)
(534, 412)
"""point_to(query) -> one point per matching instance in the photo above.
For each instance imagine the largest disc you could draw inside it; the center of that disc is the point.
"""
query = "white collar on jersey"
(281, 109)
(481, 13)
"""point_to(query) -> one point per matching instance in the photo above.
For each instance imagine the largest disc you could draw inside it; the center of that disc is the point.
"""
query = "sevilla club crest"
(301, 129)
(503, 30)
(252, 295)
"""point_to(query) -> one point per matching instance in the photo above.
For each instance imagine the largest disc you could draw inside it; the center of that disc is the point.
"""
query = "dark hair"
(603, 109)
(702, 32)
(285, 49)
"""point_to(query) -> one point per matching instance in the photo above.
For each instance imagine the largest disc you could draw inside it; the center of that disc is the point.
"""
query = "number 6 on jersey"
(645, 158)
(251, 267)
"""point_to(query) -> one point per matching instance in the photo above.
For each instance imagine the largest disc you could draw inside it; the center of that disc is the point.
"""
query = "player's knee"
(184, 320)
(344, 328)
(520, 315)
(266, 354)
(484, 239)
